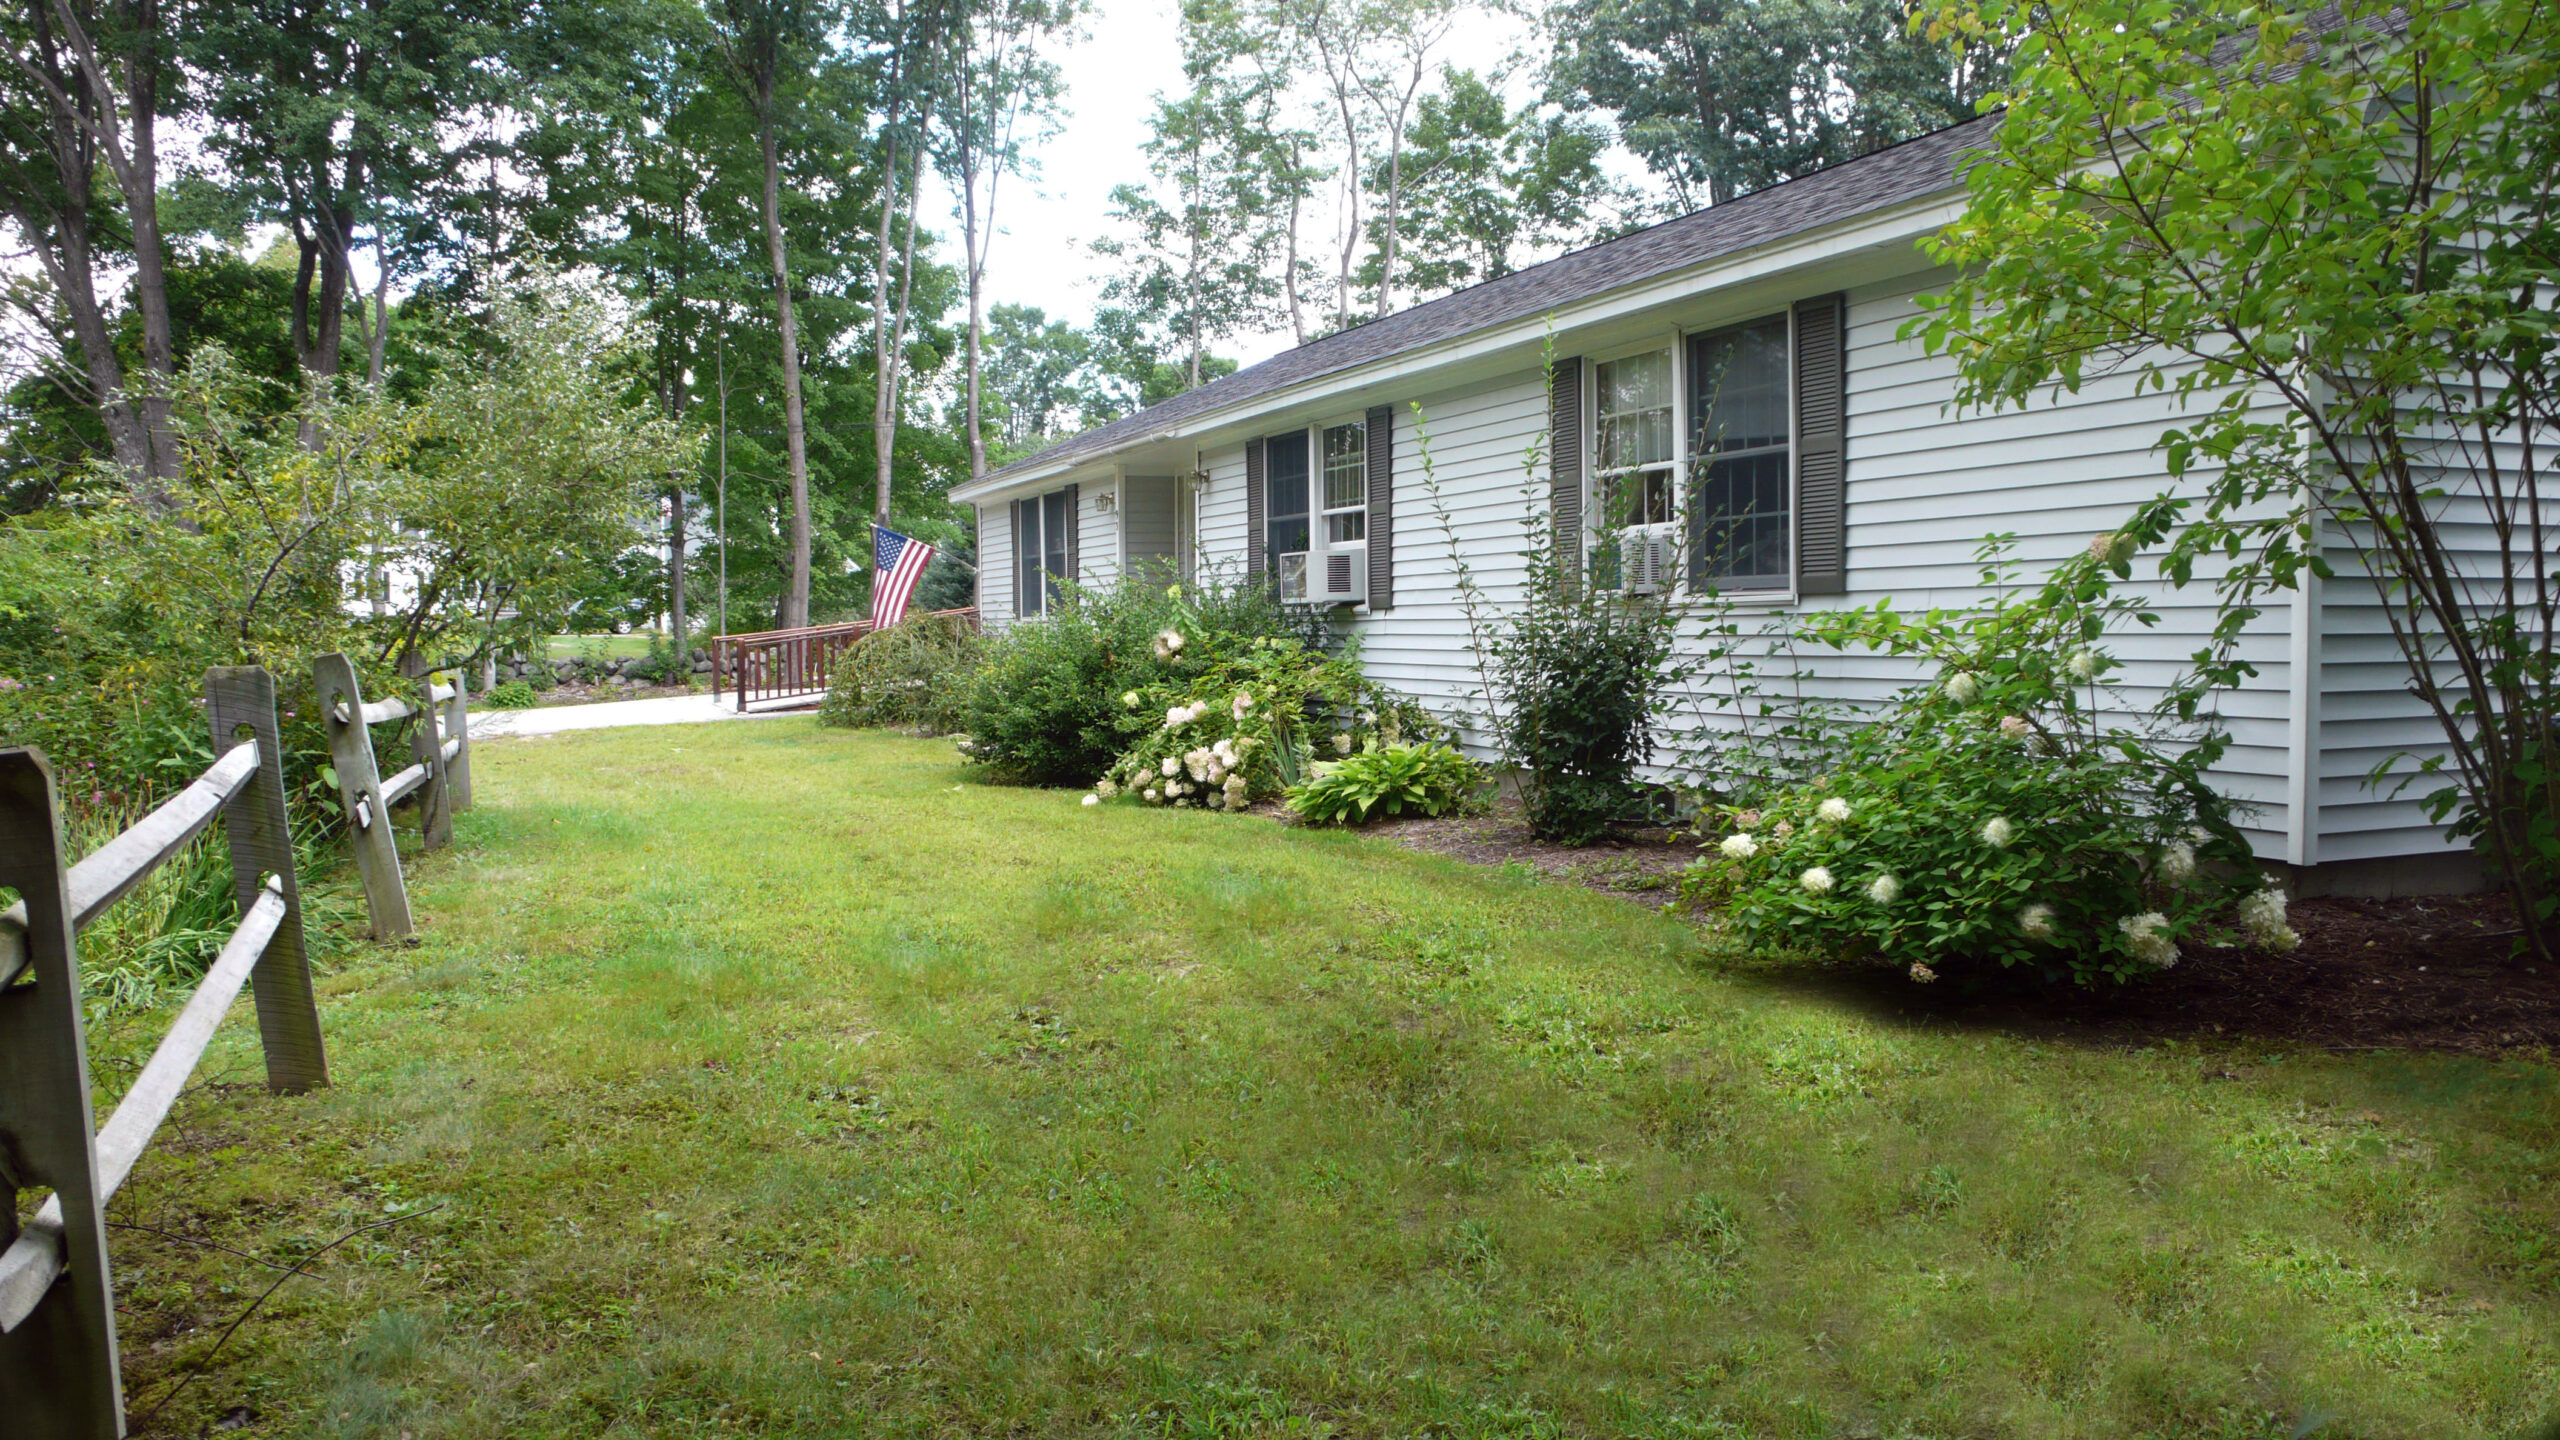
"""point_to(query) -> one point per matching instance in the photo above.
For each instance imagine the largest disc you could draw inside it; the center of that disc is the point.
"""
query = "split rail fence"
(60, 1378)
(768, 665)
(58, 1370)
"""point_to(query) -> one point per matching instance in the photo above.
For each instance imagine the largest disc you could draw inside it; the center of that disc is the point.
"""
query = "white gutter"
(1875, 229)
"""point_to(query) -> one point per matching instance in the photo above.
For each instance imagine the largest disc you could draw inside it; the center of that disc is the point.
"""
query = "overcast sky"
(1044, 256)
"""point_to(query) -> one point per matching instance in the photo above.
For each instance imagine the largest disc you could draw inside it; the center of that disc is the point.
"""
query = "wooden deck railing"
(59, 1374)
(769, 665)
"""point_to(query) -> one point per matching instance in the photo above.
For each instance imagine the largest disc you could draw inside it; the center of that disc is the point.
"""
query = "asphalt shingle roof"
(1908, 171)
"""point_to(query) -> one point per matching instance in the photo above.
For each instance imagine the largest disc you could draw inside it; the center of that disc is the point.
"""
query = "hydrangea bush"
(1250, 726)
(2006, 813)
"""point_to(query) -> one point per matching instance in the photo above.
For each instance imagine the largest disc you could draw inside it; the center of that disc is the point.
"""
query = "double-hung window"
(1633, 404)
(1740, 458)
(1346, 483)
(1316, 504)
(1043, 550)
(1284, 458)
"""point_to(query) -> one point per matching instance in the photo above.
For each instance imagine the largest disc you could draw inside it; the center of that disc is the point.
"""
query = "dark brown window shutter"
(1382, 508)
(1075, 536)
(1564, 463)
(1256, 526)
(1822, 409)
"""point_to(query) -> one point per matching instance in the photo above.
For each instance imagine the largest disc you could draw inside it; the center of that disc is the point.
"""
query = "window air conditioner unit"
(1343, 576)
(1293, 578)
(1649, 558)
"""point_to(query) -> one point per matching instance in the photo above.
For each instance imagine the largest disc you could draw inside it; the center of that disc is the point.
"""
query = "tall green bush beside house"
(2330, 231)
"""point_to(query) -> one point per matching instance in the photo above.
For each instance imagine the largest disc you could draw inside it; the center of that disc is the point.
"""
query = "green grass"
(758, 1079)
(601, 647)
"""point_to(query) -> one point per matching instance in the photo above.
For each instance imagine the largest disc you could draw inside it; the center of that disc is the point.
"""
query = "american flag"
(897, 563)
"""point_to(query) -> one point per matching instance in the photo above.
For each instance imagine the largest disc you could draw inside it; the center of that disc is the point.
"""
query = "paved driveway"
(667, 710)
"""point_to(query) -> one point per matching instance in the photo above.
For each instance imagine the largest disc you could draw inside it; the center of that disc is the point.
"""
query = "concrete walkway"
(609, 714)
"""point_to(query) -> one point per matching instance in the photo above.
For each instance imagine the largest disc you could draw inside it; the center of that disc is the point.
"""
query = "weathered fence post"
(386, 898)
(58, 1371)
(458, 743)
(241, 703)
(426, 747)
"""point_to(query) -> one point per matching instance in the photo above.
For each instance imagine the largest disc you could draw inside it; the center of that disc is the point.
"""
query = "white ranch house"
(1841, 473)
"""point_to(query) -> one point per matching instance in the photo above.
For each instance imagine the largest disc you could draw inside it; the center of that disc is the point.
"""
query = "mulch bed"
(2420, 973)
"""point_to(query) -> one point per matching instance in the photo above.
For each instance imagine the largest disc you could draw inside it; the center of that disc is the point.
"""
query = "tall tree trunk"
(86, 120)
(884, 359)
(977, 261)
(1289, 276)
(892, 364)
(374, 343)
(795, 594)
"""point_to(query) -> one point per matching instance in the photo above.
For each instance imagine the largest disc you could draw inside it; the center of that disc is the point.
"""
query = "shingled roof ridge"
(1425, 324)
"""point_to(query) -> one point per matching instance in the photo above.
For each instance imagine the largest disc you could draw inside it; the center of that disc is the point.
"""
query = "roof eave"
(1904, 220)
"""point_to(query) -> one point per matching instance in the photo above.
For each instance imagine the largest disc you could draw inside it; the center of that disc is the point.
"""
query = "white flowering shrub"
(2003, 813)
(1048, 705)
(1251, 725)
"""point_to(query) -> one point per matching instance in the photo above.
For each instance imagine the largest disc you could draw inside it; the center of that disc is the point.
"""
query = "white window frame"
(1038, 504)
(1597, 522)
(1770, 590)
(1596, 504)
(1320, 515)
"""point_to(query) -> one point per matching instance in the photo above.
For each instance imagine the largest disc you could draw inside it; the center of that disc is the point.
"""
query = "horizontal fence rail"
(438, 779)
(772, 665)
(59, 1372)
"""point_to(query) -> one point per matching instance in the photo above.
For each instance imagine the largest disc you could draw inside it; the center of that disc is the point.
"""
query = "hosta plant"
(1385, 781)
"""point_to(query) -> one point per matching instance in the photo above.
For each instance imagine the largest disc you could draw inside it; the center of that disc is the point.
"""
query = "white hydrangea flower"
(1884, 889)
(2177, 863)
(2083, 665)
(1217, 800)
(1129, 699)
(1170, 768)
(1739, 846)
(1197, 763)
(1168, 644)
(1150, 796)
(1997, 832)
(1342, 742)
(1922, 974)
(1783, 829)
(1816, 881)
(1237, 790)
(1835, 810)
(1961, 687)
(2015, 727)
(1242, 705)
(2147, 936)
(2262, 918)
(2036, 922)
(1107, 787)
(1093, 799)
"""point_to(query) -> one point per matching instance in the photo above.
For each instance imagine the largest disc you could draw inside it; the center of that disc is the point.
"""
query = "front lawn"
(758, 1079)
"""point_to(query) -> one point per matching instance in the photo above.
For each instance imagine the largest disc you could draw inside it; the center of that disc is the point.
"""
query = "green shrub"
(513, 695)
(1250, 727)
(1045, 707)
(1999, 814)
(1383, 781)
(915, 675)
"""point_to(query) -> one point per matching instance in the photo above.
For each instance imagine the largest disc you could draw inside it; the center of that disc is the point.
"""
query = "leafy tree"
(529, 473)
(1036, 367)
(1003, 93)
(1483, 180)
(336, 116)
(2333, 236)
(1201, 264)
(1727, 96)
(84, 94)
